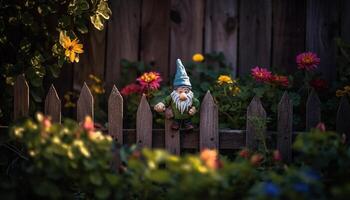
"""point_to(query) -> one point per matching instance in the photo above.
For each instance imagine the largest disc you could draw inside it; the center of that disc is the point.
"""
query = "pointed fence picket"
(255, 111)
(208, 135)
(313, 110)
(21, 98)
(53, 105)
(285, 127)
(209, 123)
(115, 115)
(85, 104)
(144, 124)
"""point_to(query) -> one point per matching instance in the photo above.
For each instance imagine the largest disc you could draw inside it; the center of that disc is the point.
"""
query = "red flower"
(280, 80)
(149, 80)
(261, 74)
(319, 84)
(320, 126)
(244, 153)
(277, 155)
(307, 61)
(131, 89)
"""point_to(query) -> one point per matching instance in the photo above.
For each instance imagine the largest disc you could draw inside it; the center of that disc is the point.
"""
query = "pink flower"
(277, 155)
(261, 74)
(244, 153)
(149, 80)
(320, 126)
(307, 61)
(131, 89)
(280, 80)
(88, 124)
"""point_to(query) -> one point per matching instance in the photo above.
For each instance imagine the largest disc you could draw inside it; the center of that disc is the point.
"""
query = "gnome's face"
(182, 97)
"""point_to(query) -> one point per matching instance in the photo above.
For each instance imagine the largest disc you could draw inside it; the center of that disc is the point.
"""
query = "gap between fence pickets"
(208, 114)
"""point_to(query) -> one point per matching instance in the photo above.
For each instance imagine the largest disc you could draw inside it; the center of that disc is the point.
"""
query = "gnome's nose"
(183, 97)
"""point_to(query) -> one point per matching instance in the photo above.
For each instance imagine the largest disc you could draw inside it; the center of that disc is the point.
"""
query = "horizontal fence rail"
(207, 136)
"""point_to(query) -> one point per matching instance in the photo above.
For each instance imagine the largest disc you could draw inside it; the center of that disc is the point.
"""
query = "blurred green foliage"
(73, 161)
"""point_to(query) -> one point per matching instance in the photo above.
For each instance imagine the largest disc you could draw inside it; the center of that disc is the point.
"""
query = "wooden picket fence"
(209, 135)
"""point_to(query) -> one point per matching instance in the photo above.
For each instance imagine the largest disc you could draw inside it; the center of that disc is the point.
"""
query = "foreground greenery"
(72, 161)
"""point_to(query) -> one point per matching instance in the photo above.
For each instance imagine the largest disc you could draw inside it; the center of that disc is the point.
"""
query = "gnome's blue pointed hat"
(181, 78)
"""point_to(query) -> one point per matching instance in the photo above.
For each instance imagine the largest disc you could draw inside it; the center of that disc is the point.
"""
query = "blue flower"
(301, 187)
(311, 174)
(271, 189)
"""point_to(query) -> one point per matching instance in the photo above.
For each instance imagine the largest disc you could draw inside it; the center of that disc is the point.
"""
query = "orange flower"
(88, 124)
(210, 158)
(72, 47)
(256, 159)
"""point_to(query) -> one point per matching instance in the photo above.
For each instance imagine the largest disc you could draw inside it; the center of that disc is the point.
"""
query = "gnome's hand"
(159, 107)
(192, 111)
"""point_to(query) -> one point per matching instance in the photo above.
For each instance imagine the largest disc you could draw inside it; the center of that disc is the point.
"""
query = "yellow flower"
(72, 47)
(347, 89)
(225, 79)
(198, 57)
(340, 93)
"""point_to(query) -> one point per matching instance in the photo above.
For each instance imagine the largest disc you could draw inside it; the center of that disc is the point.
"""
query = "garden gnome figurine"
(180, 105)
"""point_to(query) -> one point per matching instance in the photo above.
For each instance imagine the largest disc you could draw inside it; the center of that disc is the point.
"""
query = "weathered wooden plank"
(209, 124)
(155, 35)
(144, 124)
(255, 113)
(92, 61)
(343, 116)
(21, 98)
(255, 23)
(85, 104)
(53, 105)
(122, 37)
(288, 33)
(115, 115)
(186, 30)
(221, 29)
(345, 20)
(285, 127)
(313, 110)
(229, 139)
(321, 30)
(172, 138)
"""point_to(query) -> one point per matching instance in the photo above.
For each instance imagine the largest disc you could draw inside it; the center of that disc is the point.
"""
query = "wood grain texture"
(85, 104)
(285, 127)
(313, 110)
(144, 124)
(343, 116)
(53, 105)
(172, 138)
(221, 29)
(92, 61)
(209, 123)
(115, 115)
(255, 29)
(229, 139)
(20, 97)
(345, 20)
(321, 30)
(288, 33)
(155, 29)
(255, 111)
(122, 38)
(186, 30)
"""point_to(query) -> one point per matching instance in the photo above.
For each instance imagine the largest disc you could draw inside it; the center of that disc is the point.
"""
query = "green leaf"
(102, 193)
(95, 179)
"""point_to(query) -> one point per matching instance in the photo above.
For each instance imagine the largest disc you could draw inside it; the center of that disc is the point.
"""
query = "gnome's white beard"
(182, 106)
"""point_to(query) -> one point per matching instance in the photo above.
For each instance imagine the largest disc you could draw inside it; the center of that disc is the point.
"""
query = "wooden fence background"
(268, 33)
(208, 135)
